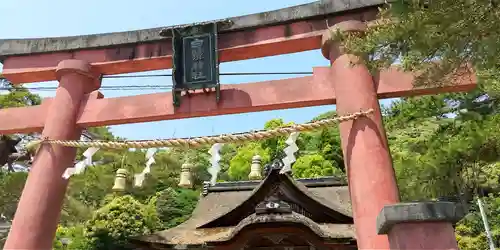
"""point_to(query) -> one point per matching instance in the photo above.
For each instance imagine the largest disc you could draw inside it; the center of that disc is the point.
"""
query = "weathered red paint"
(246, 44)
(372, 182)
(39, 208)
(236, 98)
(423, 235)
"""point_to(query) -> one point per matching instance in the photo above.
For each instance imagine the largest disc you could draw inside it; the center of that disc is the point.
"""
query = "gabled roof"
(321, 204)
(321, 209)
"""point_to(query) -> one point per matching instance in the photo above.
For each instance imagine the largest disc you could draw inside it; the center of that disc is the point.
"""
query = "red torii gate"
(78, 62)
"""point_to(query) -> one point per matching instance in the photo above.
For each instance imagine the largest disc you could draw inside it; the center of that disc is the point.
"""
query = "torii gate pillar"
(39, 208)
(371, 178)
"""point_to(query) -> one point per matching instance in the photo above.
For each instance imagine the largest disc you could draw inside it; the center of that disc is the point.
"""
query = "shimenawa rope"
(208, 140)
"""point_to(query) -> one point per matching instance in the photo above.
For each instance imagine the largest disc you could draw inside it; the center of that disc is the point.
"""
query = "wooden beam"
(290, 30)
(317, 10)
(238, 98)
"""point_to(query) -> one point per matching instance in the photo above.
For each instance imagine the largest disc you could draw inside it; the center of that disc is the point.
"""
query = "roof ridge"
(235, 186)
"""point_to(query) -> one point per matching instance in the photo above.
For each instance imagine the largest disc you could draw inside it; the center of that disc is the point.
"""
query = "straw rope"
(209, 140)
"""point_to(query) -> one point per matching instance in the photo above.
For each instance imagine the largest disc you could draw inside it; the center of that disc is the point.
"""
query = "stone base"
(422, 225)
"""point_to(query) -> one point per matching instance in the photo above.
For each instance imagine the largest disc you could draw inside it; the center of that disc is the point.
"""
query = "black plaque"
(195, 59)
(199, 68)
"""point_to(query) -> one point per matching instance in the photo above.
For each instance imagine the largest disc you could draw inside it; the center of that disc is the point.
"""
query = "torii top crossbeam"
(287, 30)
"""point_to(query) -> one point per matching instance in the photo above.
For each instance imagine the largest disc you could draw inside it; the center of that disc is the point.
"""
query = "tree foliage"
(16, 96)
(239, 166)
(470, 232)
(455, 32)
(175, 206)
(72, 237)
(11, 186)
(315, 165)
(112, 225)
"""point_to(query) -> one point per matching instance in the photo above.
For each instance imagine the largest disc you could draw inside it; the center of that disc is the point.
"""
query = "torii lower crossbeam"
(299, 92)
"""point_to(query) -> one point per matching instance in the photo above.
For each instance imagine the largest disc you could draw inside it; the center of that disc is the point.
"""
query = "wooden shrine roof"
(227, 208)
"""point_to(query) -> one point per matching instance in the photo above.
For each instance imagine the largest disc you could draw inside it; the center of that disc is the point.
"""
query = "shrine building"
(279, 212)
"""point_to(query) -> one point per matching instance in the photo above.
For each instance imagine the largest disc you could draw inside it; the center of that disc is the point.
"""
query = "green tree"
(437, 142)
(227, 152)
(311, 166)
(174, 206)
(11, 187)
(16, 96)
(324, 142)
(112, 225)
(470, 232)
(453, 32)
(275, 145)
(71, 238)
(239, 167)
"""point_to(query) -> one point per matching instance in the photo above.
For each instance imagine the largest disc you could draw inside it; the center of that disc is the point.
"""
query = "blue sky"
(44, 18)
